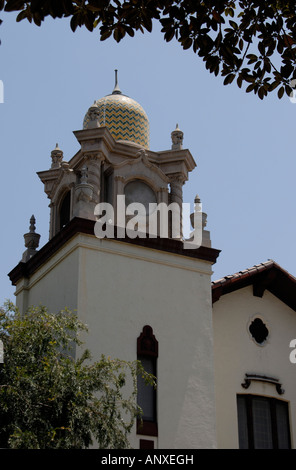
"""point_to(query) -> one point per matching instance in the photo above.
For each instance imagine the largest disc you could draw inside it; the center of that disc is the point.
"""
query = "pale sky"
(244, 147)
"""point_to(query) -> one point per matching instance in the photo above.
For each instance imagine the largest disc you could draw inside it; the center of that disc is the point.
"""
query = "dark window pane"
(262, 424)
(65, 210)
(242, 423)
(146, 393)
(282, 425)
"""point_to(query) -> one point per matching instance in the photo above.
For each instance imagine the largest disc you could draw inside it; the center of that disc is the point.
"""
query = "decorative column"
(94, 161)
(52, 219)
(83, 198)
(176, 196)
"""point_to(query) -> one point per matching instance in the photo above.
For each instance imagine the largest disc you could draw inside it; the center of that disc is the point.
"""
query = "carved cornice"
(78, 225)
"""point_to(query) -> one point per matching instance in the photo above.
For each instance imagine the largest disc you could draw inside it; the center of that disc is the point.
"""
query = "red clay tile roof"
(268, 275)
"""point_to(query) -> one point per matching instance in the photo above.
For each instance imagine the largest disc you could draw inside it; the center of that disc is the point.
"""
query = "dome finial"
(116, 87)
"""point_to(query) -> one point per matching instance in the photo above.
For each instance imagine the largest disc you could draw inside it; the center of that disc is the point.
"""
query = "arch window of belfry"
(139, 191)
(147, 353)
(64, 210)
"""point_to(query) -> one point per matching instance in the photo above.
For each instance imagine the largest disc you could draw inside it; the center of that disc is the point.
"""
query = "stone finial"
(57, 157)
(177, 138)
(197, 210)
(198, 221)
(197, 203)
(94, 115)
(32, 227)
(31, 241)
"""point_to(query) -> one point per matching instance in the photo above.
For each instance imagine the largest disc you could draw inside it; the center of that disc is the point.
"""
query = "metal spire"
(116, 90)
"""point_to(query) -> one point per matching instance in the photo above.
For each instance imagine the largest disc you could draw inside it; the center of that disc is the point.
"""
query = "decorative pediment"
(141, 167)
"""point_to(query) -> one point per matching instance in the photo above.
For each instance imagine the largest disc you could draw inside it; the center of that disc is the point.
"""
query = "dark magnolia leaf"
(229, 79)
(248, 78)
(22, 15)
(280, 46)
(262, 93)
(187, 43)
(229, 12)
(129, 31)
(88, 21)
(288, 40)
(271, 49)
(250, 87)
(261, 48)
(267, 66)
(37, 19)
(218, 39)
(254, 59)
(217, 17)
(233, 24)
(93, 7)
(274, 85)
(169, 34)
(287, 70)
(239, 81)
(119, 33)
(12, 5)
(147, 23)
(281, 92)
(106, 33)
(289, 90)
(68, 7)
(74, 22)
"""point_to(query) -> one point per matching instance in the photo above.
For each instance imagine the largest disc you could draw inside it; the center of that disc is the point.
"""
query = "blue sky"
(244, 147)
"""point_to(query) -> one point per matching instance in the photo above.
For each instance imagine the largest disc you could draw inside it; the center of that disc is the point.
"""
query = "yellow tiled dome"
(124, 117)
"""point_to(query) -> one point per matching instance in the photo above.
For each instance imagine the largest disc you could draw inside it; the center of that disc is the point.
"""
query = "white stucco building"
(153, 298)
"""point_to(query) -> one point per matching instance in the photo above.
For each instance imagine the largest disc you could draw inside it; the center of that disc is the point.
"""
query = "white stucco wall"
(118, 288)
(236, 354)
(54, 285)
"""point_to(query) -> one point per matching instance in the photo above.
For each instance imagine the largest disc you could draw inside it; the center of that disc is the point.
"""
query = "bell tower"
(146, 297)
(114, 159)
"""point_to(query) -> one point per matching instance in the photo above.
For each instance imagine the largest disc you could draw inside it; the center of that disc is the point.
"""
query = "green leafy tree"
(250, 42)
(49, 399)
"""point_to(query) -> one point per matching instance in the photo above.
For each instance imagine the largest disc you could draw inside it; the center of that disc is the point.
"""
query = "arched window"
(147, 353)
(64, 213)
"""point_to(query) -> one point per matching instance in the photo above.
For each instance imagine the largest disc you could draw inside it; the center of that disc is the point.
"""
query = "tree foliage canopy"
(49, 399)
(252, 42)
